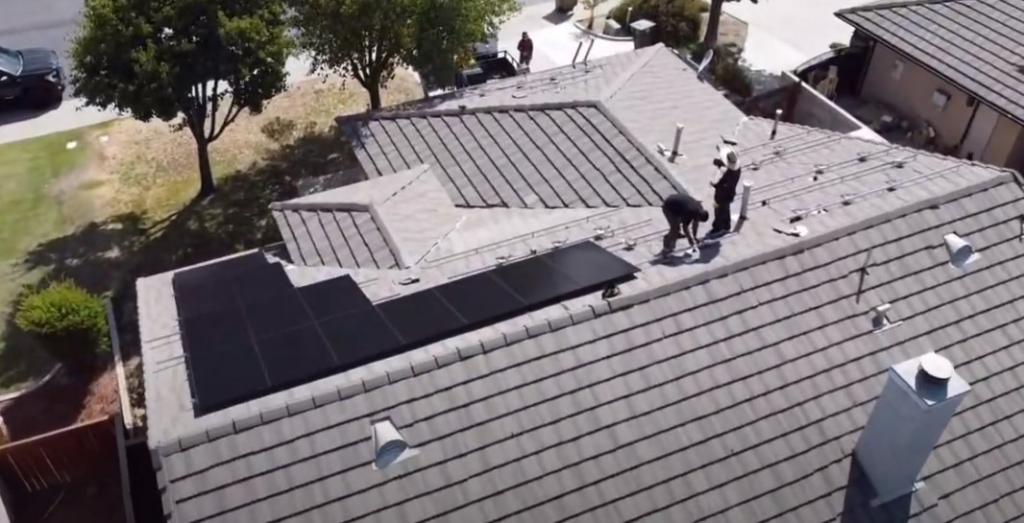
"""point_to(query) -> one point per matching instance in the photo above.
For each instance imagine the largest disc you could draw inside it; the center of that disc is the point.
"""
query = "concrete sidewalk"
(782, 34)
(554, 36)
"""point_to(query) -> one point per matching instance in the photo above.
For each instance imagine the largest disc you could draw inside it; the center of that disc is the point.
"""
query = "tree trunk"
(206, 185)
(714, 17)
(374, 89)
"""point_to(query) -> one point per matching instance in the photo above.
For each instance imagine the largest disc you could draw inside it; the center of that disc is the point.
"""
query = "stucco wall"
(1015, 159)
(912, 92)
(1003, 142)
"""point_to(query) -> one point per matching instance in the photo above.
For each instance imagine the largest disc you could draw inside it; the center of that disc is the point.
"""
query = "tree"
(591, 6)
(198, 62)
(714, 18)
(369, 39)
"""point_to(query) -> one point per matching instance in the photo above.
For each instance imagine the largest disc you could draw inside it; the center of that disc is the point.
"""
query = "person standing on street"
(525, 50)
(684, 214)
(725, 190)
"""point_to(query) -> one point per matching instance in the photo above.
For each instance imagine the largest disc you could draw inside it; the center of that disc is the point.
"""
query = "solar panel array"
(248, 332)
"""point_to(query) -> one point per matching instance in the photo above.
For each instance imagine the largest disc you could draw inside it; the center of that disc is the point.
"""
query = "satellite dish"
(704, 62)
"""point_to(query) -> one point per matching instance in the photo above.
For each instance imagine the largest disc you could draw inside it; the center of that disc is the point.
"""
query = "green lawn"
(30, 212)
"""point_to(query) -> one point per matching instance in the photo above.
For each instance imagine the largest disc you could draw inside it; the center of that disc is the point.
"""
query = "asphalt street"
(40, 23)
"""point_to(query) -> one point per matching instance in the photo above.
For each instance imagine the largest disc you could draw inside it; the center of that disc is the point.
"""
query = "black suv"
(34, 75)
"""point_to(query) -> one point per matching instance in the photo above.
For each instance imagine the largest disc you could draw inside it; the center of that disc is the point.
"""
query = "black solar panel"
(334, 296)
(421, 317)
(480, 298)
(276, 312)
(295, 356)
(213, 329)
(360, 337)
(536, 281)
(589, 264)
(225, 375)
(248, 332)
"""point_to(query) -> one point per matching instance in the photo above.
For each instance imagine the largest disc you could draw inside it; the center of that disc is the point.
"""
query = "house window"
(940, 98)
(897, 70)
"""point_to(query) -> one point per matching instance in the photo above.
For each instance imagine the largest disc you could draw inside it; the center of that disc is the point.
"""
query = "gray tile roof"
(736, 398)
(334, 237)
(977, 45)
(505, 156)
(731, 388)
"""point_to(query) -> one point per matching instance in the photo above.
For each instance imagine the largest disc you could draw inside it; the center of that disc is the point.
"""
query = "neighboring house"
(956, 64)
(732, 387)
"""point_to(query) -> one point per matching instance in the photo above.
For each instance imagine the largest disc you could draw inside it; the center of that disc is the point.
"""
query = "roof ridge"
(421, 113)
(635, 68)
(455, 353)
(878, 6)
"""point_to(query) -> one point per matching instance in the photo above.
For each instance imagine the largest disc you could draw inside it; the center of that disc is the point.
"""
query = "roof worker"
(684, 214)
(725, 190)
(525, 48)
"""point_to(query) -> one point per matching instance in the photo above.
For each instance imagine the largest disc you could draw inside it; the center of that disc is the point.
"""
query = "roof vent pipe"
(748, 187)
(388, 444)
(880, 318)
(775, 124)
(675, 143)
(961, 253)
(919, 398)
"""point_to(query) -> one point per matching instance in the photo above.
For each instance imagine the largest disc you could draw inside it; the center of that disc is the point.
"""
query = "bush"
(728, 72)
(279, 130)
(70, 322)
(677, 21)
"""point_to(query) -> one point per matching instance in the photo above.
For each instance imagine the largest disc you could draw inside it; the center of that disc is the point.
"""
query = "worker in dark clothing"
(684, 213)
(525, 49)
(725, 190)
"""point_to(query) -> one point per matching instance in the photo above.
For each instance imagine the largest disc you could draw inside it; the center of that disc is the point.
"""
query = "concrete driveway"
(782, 34)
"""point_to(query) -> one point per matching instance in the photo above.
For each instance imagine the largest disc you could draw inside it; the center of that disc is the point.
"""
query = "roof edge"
(880, 6)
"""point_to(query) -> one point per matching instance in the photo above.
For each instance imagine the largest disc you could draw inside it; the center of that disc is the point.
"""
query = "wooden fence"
(58, 458)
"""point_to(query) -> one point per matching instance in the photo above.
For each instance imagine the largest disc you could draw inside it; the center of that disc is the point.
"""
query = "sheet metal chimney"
(775, 124)
(919, 398)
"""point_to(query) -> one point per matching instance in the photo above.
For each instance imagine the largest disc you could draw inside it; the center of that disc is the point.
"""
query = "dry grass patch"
(150, 168)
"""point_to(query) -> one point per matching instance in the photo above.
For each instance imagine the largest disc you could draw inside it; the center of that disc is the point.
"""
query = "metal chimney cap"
(936, 367)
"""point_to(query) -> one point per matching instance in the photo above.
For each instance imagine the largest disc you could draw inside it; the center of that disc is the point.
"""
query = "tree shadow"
(108, 256)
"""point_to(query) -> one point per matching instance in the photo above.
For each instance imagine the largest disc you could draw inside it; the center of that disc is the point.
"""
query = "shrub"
(279, 130)
(677, 21)
(70, 322)
(727, 70)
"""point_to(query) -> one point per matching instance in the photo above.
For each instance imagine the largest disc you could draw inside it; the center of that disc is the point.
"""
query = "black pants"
(675, 232)
(723, 217)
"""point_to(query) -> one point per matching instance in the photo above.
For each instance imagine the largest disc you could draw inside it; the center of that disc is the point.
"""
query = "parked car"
(34, 75)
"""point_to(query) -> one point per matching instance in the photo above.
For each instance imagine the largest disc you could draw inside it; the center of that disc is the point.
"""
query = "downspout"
(867, 66)
(970, 122)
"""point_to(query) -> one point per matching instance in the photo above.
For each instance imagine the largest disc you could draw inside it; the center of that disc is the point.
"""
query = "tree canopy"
(369, 39)
(199, 62)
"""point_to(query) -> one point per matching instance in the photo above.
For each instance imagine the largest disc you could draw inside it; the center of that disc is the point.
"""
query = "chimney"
(919, 398)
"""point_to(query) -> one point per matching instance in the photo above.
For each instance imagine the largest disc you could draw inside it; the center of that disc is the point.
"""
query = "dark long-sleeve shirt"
(725, 187)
